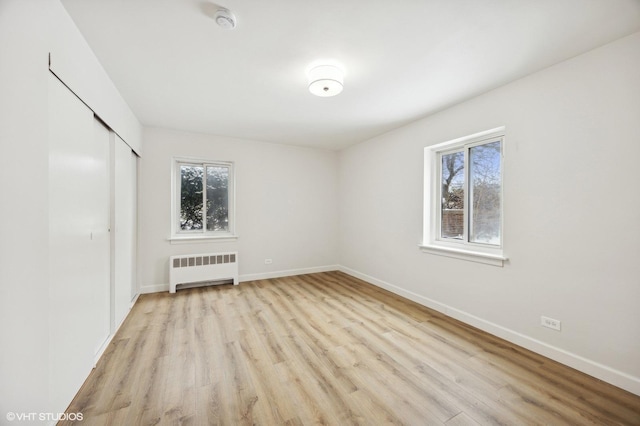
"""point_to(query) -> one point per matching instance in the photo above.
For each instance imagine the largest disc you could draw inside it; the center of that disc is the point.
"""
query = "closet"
(91, 194)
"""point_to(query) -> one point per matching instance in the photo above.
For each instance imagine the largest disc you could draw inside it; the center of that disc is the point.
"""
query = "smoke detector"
(225, 19)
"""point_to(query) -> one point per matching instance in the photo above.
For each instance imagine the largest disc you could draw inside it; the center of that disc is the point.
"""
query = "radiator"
(194, 268)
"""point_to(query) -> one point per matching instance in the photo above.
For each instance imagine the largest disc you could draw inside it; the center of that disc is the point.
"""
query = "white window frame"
(178, 235)
(460, 249)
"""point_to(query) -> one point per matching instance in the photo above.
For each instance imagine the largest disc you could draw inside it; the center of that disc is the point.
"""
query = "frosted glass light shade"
(326, 80)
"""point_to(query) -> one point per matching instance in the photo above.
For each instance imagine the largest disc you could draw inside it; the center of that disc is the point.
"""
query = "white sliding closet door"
(101, 137)
(124, 221)
(78, 198)
(134, 226)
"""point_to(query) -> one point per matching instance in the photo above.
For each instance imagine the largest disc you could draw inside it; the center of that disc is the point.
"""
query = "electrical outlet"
(268, 261)
(550, 323)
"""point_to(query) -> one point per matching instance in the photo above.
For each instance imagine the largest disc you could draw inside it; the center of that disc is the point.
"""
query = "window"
(463, 198)
(202, 199)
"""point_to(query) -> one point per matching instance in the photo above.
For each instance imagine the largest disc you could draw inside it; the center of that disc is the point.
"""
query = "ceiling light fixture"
(225, 19)
(326, 80)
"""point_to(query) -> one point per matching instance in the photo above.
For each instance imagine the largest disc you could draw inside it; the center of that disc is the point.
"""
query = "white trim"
(158, 288)
(201, 238)
(176, 233)
(287, 273)
(154, 288)
(424, 301)
(472, 256)
(108, 340)
(432, 242)
(134, 300)
(103, 348)
(600, 371)
(480, 136)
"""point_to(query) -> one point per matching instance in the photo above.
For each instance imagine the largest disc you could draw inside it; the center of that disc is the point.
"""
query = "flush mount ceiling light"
(225, 19)
(325, 80)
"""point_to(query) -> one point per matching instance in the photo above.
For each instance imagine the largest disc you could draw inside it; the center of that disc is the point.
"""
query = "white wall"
(24, 291)
(123, 221)
(29, 30)
(285, 205)
(572, 213)
(72, 60)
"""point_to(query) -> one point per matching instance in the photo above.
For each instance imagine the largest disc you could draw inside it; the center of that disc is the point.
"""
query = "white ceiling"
(404, 59)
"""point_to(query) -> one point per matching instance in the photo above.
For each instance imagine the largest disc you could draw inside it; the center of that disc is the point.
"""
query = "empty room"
(337, 212)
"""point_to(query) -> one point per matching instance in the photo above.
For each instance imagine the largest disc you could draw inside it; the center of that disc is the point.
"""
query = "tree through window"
(471, 188)
(463, 198)
(204, 197)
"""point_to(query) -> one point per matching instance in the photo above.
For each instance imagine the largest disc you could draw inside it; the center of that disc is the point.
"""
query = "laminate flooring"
(327, 349)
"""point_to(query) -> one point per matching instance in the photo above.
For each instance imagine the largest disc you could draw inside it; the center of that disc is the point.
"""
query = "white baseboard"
(108, 340)
(287, 273)
(134, 300)
(157, 288)
(103, 348)
(592, 368)
(154, 288)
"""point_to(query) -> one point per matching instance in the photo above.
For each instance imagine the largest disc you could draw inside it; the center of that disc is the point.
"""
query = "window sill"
(471, 256)
(186, 239)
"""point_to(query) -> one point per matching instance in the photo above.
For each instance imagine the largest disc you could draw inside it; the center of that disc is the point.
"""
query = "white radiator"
(193, 268)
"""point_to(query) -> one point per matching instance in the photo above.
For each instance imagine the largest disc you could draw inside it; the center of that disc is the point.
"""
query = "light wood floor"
(327, 349)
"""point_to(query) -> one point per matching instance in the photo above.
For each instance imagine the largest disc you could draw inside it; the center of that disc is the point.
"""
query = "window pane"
(485, 183)
(191, 197)
(217, 198)
(452, 207)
